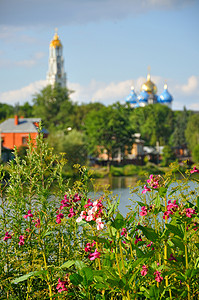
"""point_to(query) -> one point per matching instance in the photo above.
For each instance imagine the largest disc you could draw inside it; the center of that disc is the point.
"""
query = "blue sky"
(107, 46)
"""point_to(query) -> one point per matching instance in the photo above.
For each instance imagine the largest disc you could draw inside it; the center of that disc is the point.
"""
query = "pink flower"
(37, 223)
(146, 189)
(153, 181)
(89, 218)
(76, 198)
(72, 213)
(59, 217)
(172, 257)
(21, 240)
(89, 203)
(167, 213)
(158, 276)
(93, 256)
(144, 270)
(149, 245)
(61, 287)
(195, 228)
(172, 206)
(195, 170)
(143, 211)
(7, 236)
(138, 239)
(100, 224)
(190, 212)
(28, 215)
(88, 247)
(124, 232)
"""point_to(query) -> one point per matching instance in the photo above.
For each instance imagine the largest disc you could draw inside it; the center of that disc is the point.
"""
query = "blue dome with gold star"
(165, 97)
(132, 97)
(143, 98)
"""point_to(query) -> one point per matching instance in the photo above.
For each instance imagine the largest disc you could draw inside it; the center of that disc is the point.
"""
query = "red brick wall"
(15, 139)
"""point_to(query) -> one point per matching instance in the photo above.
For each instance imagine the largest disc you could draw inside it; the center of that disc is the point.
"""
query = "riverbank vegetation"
(82, 131)
(57, 243)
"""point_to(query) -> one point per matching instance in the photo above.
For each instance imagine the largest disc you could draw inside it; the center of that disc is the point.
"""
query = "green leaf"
(118, 223)
(25, 277)
(76, 279)
(198, 203)
(149, 233)
(68, 264)
(138, 262)
(157, 201)
(178, 243)
(87, 274)
(197, 245)
(113, 207)
(141, 203)
(162, 191)
(176, 230)
(80, 264)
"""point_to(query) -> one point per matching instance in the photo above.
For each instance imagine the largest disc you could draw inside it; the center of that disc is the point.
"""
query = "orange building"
(16, 131)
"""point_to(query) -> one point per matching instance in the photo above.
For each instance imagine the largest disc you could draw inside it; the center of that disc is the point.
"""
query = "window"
(24, 140)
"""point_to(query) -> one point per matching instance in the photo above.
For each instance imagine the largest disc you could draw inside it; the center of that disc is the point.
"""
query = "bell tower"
(56, 73)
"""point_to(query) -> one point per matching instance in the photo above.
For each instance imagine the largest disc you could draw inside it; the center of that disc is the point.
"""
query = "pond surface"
(120, 186)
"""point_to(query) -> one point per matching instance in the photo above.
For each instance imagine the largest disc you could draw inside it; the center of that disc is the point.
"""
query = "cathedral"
(56, 73)
(148, 95)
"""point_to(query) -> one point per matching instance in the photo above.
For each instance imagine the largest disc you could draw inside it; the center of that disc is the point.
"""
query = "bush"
(57, 243)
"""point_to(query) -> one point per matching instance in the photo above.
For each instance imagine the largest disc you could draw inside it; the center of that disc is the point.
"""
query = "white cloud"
(108, 93)
(191, 86)
(22, 95)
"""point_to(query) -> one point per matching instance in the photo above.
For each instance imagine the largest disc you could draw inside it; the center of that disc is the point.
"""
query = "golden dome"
(149, 86)
(56, 41)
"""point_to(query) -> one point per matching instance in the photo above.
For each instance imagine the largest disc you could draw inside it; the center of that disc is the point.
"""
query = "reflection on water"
(119, 182)
(120, 187)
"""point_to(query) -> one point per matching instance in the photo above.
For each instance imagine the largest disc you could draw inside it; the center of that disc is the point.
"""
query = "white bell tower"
(56, 72)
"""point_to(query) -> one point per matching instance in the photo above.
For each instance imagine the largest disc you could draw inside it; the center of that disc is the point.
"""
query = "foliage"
(58, 243)
(192, 131)
(178, 136)
(167, 156)
(6, 111)
(72, 143)
(196, 153)
(154, 122)
(54, 107)
(109, 128)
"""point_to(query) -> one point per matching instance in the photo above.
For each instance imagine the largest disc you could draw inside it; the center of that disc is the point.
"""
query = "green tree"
(6, 111)
(196, 153)
(158, 125)
(178, 136)
(54, 107)
(192, 131)
(168, 155)
(110, 129)
(154, 122)
(72, 143)
(80, 112)
(25, 110)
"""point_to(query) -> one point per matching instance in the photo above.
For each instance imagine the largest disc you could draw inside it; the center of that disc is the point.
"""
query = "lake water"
(120, 186)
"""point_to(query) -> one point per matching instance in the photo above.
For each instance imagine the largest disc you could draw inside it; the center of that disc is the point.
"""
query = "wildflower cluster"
(63, 284)
(7, 236)
(173, 207)
(195, 170)
(93, 212)
(70, 202)
(21, 240)
(154, 181)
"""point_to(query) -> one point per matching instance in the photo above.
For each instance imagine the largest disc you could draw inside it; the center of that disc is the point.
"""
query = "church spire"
(56, 73)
